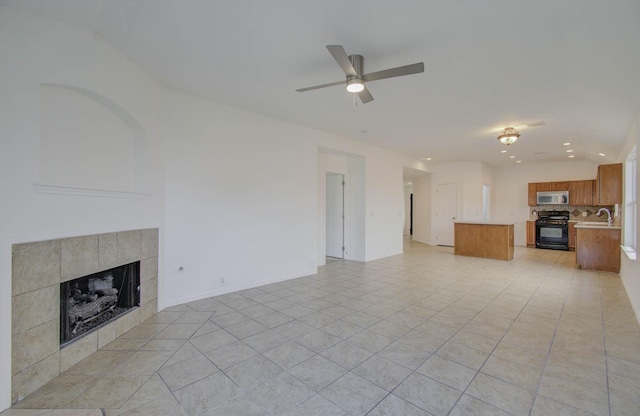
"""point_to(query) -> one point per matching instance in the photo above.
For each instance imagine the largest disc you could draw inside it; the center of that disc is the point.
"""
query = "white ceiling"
(574, 64)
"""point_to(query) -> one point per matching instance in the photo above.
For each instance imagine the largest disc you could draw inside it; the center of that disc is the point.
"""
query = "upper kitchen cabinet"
(543, 186)
(581, 192)
(533, 193)
(535, 187)
(559, 186)
(609, 184)
(551, 186)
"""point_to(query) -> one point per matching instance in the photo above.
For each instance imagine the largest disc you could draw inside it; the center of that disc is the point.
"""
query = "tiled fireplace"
(39, 268)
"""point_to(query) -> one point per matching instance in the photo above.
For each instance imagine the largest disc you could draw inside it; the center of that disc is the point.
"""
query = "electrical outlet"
(584, 214)
(222, 281)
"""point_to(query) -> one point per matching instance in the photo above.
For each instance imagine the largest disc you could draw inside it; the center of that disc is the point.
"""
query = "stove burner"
(552, 217)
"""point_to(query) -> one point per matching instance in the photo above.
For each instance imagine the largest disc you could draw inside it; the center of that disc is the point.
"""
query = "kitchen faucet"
(609, 221)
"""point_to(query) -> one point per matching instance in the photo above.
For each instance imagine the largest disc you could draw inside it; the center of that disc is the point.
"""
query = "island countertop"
(482, 239)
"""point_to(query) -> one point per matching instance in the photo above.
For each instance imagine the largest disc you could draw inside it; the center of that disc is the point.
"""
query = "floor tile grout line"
(493, 350)
(553, 340)
(435, 353)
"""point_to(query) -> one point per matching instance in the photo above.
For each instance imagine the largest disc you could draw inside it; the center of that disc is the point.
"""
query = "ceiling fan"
(353, 66)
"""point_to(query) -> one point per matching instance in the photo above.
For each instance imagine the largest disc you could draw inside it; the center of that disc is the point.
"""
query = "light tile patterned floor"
(423, 333)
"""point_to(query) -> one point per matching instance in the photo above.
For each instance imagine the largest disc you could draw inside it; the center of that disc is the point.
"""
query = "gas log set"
(91, 301)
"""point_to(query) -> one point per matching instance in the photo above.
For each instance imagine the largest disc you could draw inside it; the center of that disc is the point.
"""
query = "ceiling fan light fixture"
(509, 135)
(355, 85)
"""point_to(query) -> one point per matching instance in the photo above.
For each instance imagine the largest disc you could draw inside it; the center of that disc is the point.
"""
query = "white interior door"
(335, 215)
(446, 207)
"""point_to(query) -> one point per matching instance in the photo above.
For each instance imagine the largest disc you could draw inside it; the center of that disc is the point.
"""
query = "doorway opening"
(335, 216)
(411, 214)
(485, 203)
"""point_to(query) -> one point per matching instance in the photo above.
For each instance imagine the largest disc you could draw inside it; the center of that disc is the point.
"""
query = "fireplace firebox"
(90, 302)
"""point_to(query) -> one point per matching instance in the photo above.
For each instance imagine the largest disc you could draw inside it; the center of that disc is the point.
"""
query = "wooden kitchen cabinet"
(598, 249)
(572, 236)
(487, 240)
(531, 233)
(533, 194)
(535, 187)
(609, 184)
(581, 192)
(544, 186)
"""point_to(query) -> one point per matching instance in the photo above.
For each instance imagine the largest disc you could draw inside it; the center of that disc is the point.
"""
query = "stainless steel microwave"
(553, 198)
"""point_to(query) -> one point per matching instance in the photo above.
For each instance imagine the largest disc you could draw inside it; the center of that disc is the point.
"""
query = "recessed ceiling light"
(569, 151)
(512, 157)
(570, 156)
(503, 151)
(601, 154)
(363, 131)
(518, 161)
(566, 144)
(428, 158)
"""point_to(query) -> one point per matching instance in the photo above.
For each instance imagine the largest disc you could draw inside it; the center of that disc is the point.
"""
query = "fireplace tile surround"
(38, 268)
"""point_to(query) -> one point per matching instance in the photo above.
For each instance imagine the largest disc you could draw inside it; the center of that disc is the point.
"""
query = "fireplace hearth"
(89, 302)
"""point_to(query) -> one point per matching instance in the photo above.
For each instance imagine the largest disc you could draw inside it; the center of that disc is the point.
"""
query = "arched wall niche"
(89, 145)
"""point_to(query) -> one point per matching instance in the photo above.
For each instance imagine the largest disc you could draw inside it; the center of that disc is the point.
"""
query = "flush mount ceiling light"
(355, 85)
(509, 135)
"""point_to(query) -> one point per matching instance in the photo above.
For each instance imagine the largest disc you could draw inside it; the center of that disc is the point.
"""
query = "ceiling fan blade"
(395, 72)
(315, 87)
(365, 96)
(342, 59)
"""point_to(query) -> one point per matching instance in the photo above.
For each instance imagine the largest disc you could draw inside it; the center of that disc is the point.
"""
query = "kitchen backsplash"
(575, 212)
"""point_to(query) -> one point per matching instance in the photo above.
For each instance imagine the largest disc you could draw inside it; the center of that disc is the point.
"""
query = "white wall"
(630, 269)
(511, 192)
(468, 178)
(236, 196)
(36, 52)
(241, 199)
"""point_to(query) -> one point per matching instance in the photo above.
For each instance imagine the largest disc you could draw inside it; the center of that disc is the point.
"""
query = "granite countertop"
(597, 225)
(483, 223)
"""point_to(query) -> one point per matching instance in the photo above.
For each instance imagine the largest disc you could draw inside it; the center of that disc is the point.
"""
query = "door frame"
(346, 223)
(437, 201)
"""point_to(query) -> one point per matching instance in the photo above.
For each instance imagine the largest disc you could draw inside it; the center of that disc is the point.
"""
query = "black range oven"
(552, 230)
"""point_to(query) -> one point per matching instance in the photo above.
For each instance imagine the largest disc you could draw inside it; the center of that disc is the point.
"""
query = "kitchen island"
(483, 239)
